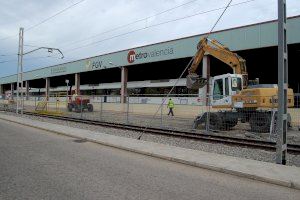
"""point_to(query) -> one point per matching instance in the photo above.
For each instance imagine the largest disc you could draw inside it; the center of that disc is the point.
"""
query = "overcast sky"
(75, 27)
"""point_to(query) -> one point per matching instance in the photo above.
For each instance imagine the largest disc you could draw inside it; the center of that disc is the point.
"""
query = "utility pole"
(20, 71)
(281, 123)
(20, 84)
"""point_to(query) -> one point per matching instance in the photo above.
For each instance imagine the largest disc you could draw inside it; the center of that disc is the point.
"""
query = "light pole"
(67, 82)
(20, 67)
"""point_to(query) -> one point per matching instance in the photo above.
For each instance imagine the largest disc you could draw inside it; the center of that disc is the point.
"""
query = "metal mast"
(282, 85)
(20, 72)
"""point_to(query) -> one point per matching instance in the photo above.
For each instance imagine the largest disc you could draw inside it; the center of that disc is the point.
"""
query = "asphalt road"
(36, 164)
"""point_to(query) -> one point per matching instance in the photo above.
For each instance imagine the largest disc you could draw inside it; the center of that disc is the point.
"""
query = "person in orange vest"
(171, 107)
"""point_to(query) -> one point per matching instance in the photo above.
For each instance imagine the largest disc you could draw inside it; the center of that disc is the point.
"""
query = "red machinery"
(80, 104)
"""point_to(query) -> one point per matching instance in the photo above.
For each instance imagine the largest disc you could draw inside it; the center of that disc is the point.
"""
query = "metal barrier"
(191, 113)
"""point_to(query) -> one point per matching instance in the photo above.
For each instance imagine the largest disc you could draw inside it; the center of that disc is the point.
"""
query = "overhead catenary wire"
(187, 66)
(130, 23)
(7, 61)
(58, 13)
(151, 26)
(3, 55)
(14, 54)
(15, 60)
(158, 24)
(211, 30)
(29, 45)
(45, 20)
(110, 30)
(212, 10)
(31, 58)
(167, 96)
(140, 20)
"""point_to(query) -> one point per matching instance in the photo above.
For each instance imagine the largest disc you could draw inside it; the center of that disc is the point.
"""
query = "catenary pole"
(20, 84)
(20, 71)
(281, 150)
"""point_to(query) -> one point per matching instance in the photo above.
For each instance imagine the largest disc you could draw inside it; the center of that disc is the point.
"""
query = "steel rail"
(227, 140)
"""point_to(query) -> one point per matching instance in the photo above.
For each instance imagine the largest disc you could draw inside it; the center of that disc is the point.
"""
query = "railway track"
(233, 141)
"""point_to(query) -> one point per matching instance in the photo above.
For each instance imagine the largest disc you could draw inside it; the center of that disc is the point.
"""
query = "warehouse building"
(157, 66)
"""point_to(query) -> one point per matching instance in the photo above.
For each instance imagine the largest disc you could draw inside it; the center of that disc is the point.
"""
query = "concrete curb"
(287, 176)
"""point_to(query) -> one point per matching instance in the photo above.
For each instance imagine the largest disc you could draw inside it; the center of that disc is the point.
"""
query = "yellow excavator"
(230, 93)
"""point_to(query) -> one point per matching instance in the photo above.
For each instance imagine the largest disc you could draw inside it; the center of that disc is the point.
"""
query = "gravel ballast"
(242, 152)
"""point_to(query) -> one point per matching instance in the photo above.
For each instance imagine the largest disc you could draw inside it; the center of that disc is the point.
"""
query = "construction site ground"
(162, 120)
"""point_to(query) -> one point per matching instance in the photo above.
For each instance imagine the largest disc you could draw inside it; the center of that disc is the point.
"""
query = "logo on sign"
(58, 70)
(131, 56)
(93, 65)
(88, 65)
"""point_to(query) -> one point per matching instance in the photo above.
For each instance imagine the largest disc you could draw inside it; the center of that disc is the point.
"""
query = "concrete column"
(204, 92)
(27, 89)
(1, 89)
(12, 88)
(124, 79)
(47, 88)
(77, 83)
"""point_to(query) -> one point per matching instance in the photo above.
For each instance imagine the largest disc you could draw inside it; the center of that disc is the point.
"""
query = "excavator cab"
(223, 87)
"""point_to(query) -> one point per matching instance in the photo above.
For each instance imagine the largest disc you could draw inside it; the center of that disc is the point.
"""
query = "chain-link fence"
(216, 115)
(8, 105)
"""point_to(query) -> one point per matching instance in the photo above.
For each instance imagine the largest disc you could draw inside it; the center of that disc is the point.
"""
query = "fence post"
(207, 113)
(272, 124)
(81, 107)
(47, 103)
(297, 117)
(101, 108)
(161, 113)
(22, 101)
(127, 113)
(57, 104)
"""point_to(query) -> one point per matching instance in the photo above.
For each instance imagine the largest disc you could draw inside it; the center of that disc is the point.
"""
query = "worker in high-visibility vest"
(74, 95)
(170, 106)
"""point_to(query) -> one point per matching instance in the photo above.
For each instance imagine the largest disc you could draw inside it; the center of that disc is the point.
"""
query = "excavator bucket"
(194, 81)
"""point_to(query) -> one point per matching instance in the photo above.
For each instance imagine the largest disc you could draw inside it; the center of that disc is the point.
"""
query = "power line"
(158, 24)
(6, 61)
(32, 58)
(182, 73)
(154, 25)
(45, 20)
(220, 17)
(131, 23)
(28, 45)
(7, 37)
(13, 54)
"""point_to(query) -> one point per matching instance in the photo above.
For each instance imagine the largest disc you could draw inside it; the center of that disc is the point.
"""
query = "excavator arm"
(219, 51)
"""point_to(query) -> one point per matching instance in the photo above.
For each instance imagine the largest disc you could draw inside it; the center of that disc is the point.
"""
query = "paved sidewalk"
(288, 176)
